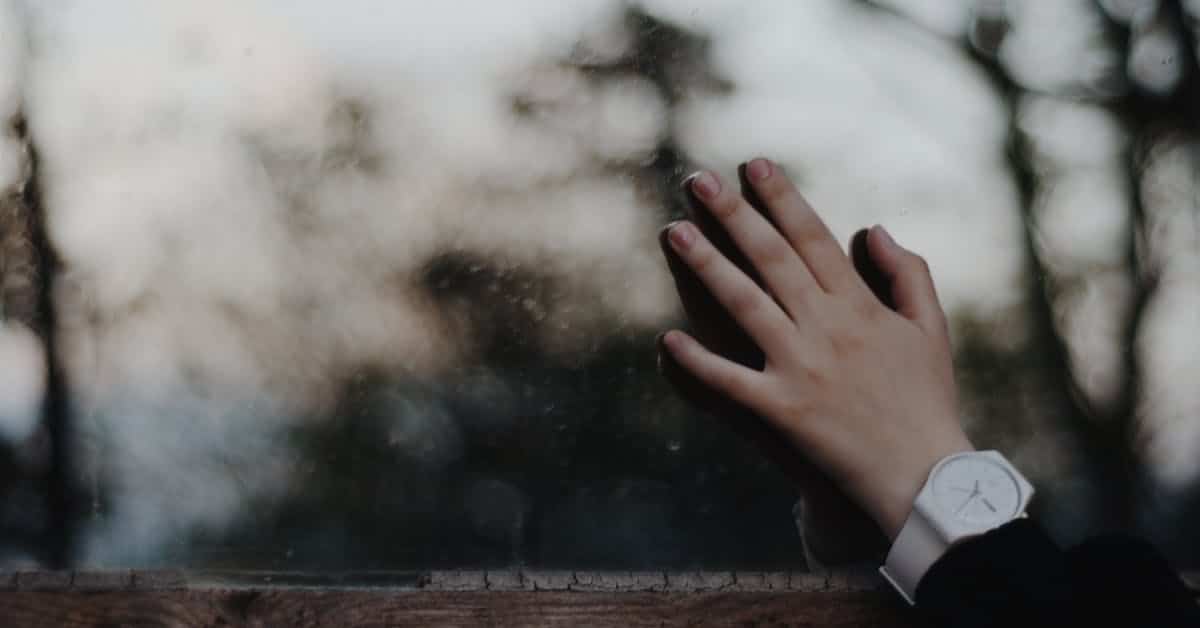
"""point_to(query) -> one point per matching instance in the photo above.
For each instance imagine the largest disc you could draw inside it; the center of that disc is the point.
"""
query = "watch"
(965, 495)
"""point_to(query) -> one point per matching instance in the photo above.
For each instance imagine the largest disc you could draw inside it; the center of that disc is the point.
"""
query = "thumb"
(912, 289)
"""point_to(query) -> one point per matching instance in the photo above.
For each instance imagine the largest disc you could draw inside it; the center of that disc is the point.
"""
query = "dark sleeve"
(1017, 576)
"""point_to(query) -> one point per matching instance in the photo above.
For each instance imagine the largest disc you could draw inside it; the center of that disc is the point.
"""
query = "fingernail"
(666, 229)
(670, 339)
(758, 169)
(706, 185)
(887, 237)
(682, 236)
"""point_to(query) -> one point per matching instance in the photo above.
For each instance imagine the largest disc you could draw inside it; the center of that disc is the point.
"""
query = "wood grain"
(311, 609)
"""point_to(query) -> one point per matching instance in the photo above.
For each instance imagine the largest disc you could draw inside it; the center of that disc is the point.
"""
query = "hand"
(866, 392)
(833, 529)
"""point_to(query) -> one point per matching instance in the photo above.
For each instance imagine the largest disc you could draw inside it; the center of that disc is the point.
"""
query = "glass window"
(304, 285)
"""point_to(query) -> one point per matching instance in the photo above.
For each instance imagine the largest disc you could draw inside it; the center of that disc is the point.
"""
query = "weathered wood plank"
(312, 609)
(847, 580)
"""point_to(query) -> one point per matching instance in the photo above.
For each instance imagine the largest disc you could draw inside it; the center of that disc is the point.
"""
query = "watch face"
(977, 491)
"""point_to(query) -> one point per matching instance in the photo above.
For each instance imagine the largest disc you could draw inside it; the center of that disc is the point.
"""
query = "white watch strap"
(915, 550)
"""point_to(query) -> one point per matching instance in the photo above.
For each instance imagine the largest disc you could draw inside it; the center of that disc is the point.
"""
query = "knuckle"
(809, 234)
(796, 408)
(847, 334)
(869, 308)
(774, 251)
(725, 205)
(818, 375)
(745, 301)
(729, 382)
(848, 342)
(776, 189)
(788, 400)
(701, 258)
(814, 239)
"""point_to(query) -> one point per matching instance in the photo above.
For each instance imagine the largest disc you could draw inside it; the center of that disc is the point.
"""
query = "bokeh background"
(309, 285)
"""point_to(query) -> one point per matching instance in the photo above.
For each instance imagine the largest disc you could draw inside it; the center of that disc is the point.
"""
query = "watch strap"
(914, 551)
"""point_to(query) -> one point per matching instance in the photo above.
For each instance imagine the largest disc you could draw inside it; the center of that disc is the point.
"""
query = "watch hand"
(989, 505)
(965, 504)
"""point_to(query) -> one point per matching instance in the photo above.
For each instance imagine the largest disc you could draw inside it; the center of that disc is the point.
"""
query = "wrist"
(895, 501)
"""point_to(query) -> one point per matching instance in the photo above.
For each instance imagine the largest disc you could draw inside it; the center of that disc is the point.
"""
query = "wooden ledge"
(347, 608)
(530, 580)
(446, 598)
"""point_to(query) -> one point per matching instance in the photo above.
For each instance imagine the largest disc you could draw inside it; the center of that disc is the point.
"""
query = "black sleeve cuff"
(1016, 575)
(1013, 575)
(1141, 587)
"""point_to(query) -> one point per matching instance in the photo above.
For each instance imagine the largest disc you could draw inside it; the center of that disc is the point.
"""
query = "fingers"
(707, 319)
(807, 233)
(782, 270)
(751, 196)
(912, 289)
(878, 283)
(741, 384)
(708, 224)
(692, 390)
(753, 309)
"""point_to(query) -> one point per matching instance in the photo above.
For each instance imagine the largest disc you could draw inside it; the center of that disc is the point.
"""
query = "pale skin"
(864, 391)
